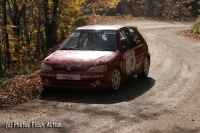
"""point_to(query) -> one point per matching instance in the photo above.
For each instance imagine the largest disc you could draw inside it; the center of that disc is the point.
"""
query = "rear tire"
(145, 70)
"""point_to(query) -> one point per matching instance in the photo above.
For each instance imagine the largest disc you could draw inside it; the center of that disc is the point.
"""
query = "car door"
(138, 47)
(128, 53)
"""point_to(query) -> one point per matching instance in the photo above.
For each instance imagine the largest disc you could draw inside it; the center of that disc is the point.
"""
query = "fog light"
(46, 81)
(97, 82)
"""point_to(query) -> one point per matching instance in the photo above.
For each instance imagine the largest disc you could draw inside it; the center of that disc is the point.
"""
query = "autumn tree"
(153, 8)
(99, 7)
(29, 28)
(16, 10)
(69, 14)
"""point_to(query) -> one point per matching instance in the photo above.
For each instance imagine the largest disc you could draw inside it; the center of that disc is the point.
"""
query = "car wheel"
(145, 70)
(116, 80)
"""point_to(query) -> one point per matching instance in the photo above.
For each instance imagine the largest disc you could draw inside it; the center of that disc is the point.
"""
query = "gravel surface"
(167, 101)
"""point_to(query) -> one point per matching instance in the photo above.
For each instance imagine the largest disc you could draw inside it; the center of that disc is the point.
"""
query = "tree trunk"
(5, 36)
(151, 8)
(50, 24)
(131, 8)
(15, 18)
(1, 42)
(47, 25)
(26, 33)
(39, 32)
(1, 69)
(198, 8)
(54, 22)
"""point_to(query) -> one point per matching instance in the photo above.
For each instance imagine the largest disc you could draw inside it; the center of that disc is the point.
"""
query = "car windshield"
(100, 40)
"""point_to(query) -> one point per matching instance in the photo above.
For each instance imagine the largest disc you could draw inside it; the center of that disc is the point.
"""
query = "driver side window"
(125, 39)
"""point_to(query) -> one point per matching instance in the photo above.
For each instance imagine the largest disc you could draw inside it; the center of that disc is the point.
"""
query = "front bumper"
(87, 80)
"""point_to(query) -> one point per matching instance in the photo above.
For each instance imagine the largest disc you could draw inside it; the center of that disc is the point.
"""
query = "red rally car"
(97, 57)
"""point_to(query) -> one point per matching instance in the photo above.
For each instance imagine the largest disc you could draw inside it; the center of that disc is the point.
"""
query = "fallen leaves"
(19, 90)
(187, 33)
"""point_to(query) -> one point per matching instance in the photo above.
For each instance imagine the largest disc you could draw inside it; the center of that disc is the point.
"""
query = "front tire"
(145, 70)
(116, 80)
(47, 89)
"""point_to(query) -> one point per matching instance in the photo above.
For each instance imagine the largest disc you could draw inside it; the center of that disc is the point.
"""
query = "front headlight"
(45, 67)
(102, 68)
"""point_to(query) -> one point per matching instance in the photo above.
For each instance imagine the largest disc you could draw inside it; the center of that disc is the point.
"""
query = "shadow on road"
(131, 89)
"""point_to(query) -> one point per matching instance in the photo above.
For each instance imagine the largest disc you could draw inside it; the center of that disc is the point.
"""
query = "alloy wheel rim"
(116, 79)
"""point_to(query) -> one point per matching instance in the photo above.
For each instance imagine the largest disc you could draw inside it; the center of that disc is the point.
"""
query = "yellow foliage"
(102, 5)
(23, 47)
(70, 11)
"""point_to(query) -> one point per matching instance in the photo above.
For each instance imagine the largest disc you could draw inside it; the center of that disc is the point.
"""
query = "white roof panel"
(100, 27)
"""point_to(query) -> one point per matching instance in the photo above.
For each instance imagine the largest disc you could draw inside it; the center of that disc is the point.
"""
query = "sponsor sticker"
(110, 32)
(92, 76)
(66, 64)
(75, 34)
(130, 61)
(47, 74)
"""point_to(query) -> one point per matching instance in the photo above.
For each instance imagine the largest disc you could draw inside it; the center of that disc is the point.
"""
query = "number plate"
(68, 77)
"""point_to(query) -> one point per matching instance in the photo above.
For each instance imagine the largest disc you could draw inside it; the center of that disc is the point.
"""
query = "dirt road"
(167, 101)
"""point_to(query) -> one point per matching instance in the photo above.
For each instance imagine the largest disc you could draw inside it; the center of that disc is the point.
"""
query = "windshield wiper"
(97, 49)
(62, 49)
(72, 48)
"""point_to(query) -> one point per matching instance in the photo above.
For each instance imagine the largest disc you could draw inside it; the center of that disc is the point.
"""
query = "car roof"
(100, 27)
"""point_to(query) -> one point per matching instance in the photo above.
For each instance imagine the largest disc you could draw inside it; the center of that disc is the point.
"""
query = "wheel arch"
(118, 67)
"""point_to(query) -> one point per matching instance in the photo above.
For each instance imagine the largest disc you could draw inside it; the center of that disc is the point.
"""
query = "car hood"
(77, 58)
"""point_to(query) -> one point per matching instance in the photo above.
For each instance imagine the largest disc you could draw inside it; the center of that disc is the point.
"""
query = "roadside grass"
(196, 27)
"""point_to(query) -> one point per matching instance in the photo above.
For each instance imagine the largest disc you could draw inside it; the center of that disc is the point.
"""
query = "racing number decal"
(130, 61)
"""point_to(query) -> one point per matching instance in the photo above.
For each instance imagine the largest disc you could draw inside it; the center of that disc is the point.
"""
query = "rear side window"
(135, 36)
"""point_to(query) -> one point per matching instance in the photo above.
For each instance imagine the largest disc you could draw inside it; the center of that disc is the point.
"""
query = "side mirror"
(123, 49)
